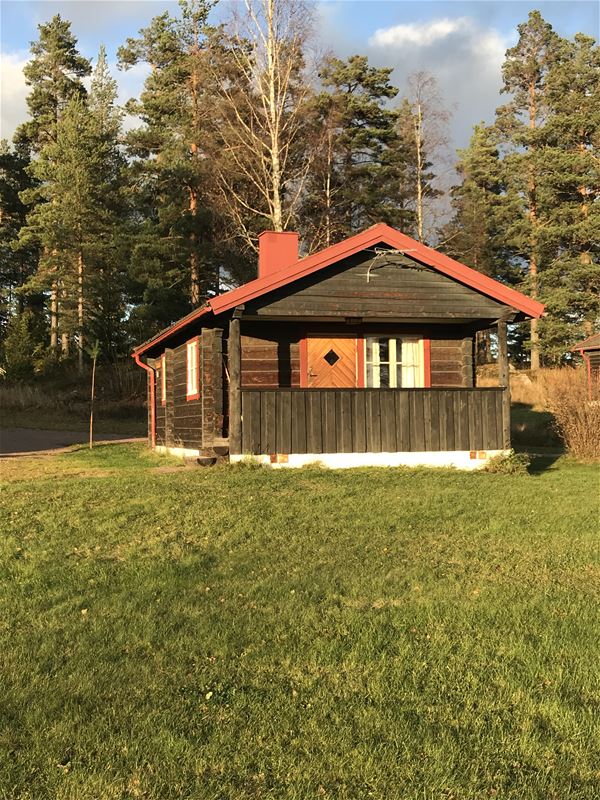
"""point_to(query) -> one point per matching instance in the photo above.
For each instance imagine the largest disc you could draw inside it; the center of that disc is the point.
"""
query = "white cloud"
(419, 34)
(466, 59)
(464, 56)
(13, 92)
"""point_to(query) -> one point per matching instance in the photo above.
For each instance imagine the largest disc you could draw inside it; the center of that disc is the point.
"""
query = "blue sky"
(461, 43)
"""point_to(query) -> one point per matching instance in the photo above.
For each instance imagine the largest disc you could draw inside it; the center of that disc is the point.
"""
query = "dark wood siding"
(271, 360)
(212, 386)
(187, 414)
(446, 362)
(452, 362)
(268, 362)
(364, 286)
(160, 408)
(149, 400)
(370, 420)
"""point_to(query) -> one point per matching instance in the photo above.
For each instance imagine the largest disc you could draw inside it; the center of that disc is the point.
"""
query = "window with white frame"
(163, 379)
(192, 368)
(394, 362)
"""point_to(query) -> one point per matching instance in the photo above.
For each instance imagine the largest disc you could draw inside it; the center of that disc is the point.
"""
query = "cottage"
(360, 354)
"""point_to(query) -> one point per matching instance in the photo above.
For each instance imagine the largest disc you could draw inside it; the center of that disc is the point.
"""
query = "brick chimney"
(276, 251)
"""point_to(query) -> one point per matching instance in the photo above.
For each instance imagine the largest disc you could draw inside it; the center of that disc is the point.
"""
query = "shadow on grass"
(542, 463)
(533, 430)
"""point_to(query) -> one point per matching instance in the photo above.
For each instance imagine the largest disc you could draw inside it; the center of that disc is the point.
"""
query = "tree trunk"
(54, 318)
(235, 383)
(80, 317)
(194, 260)
(419, 151)
(533, 221)
(504, 380)
(64, 335)
(193, 194)
(328, 208)
(276, 212)
(92, 399)
(585, 256)
(533, 275)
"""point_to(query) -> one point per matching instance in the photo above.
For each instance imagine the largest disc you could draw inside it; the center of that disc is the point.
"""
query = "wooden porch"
(371, 421)
(304, 421)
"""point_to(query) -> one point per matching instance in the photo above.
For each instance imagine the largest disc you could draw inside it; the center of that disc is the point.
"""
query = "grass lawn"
(237, 632)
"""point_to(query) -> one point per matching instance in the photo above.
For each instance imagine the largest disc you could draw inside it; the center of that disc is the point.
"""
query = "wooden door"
(331, 363)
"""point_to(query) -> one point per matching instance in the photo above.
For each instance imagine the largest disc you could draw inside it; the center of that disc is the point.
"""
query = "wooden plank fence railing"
(371, 420)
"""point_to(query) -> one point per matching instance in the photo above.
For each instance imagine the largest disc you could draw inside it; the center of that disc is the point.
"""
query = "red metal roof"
(591, 343)
(376, 234)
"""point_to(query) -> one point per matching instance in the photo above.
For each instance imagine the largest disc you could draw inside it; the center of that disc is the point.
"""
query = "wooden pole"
(235, 387)
(588, 365)
(95, 355)
(504, 376)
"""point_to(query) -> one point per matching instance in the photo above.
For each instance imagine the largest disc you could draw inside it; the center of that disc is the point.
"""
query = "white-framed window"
(394, 362)
(163, 379)
(192, 367)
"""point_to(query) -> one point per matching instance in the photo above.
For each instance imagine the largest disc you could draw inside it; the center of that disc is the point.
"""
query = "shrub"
(577, 418)
(509, 464)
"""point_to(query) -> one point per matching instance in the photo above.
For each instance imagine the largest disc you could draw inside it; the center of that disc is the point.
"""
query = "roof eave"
(380, 233)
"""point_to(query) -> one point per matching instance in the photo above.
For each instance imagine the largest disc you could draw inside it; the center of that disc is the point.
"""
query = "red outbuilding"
(590, 351)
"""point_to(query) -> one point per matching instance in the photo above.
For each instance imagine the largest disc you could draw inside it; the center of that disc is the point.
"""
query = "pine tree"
(475, 235)
(75, 220)
(108, 252)
(55, 75)
(355, 178)
(482, 212)
(102, 100)
(570, 282)
(16, 264)
(525, 73)
(171, 173)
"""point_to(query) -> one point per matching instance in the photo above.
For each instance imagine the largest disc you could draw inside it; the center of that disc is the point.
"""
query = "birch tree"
(261, 117)
(423, 124)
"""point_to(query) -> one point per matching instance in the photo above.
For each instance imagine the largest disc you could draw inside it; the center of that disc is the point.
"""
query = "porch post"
(504, 376)
(235, 386)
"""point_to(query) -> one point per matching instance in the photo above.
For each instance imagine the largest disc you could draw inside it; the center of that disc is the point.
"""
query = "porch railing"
(372, 420)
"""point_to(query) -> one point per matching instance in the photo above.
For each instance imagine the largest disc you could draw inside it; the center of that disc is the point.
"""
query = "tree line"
(114, 221)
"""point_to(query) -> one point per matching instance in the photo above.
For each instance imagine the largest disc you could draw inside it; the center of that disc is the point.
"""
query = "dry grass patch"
(577, 417)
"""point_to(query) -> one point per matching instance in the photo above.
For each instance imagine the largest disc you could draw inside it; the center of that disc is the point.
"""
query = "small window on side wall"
(192, 368)
(396, 362)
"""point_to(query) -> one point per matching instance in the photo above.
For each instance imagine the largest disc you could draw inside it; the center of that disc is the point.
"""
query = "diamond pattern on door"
(331, 363)
(331, 357)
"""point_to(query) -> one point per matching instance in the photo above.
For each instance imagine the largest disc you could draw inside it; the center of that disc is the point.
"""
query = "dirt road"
(32, 440)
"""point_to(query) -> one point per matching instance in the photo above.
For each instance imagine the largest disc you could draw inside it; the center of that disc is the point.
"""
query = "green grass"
(237, 632)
